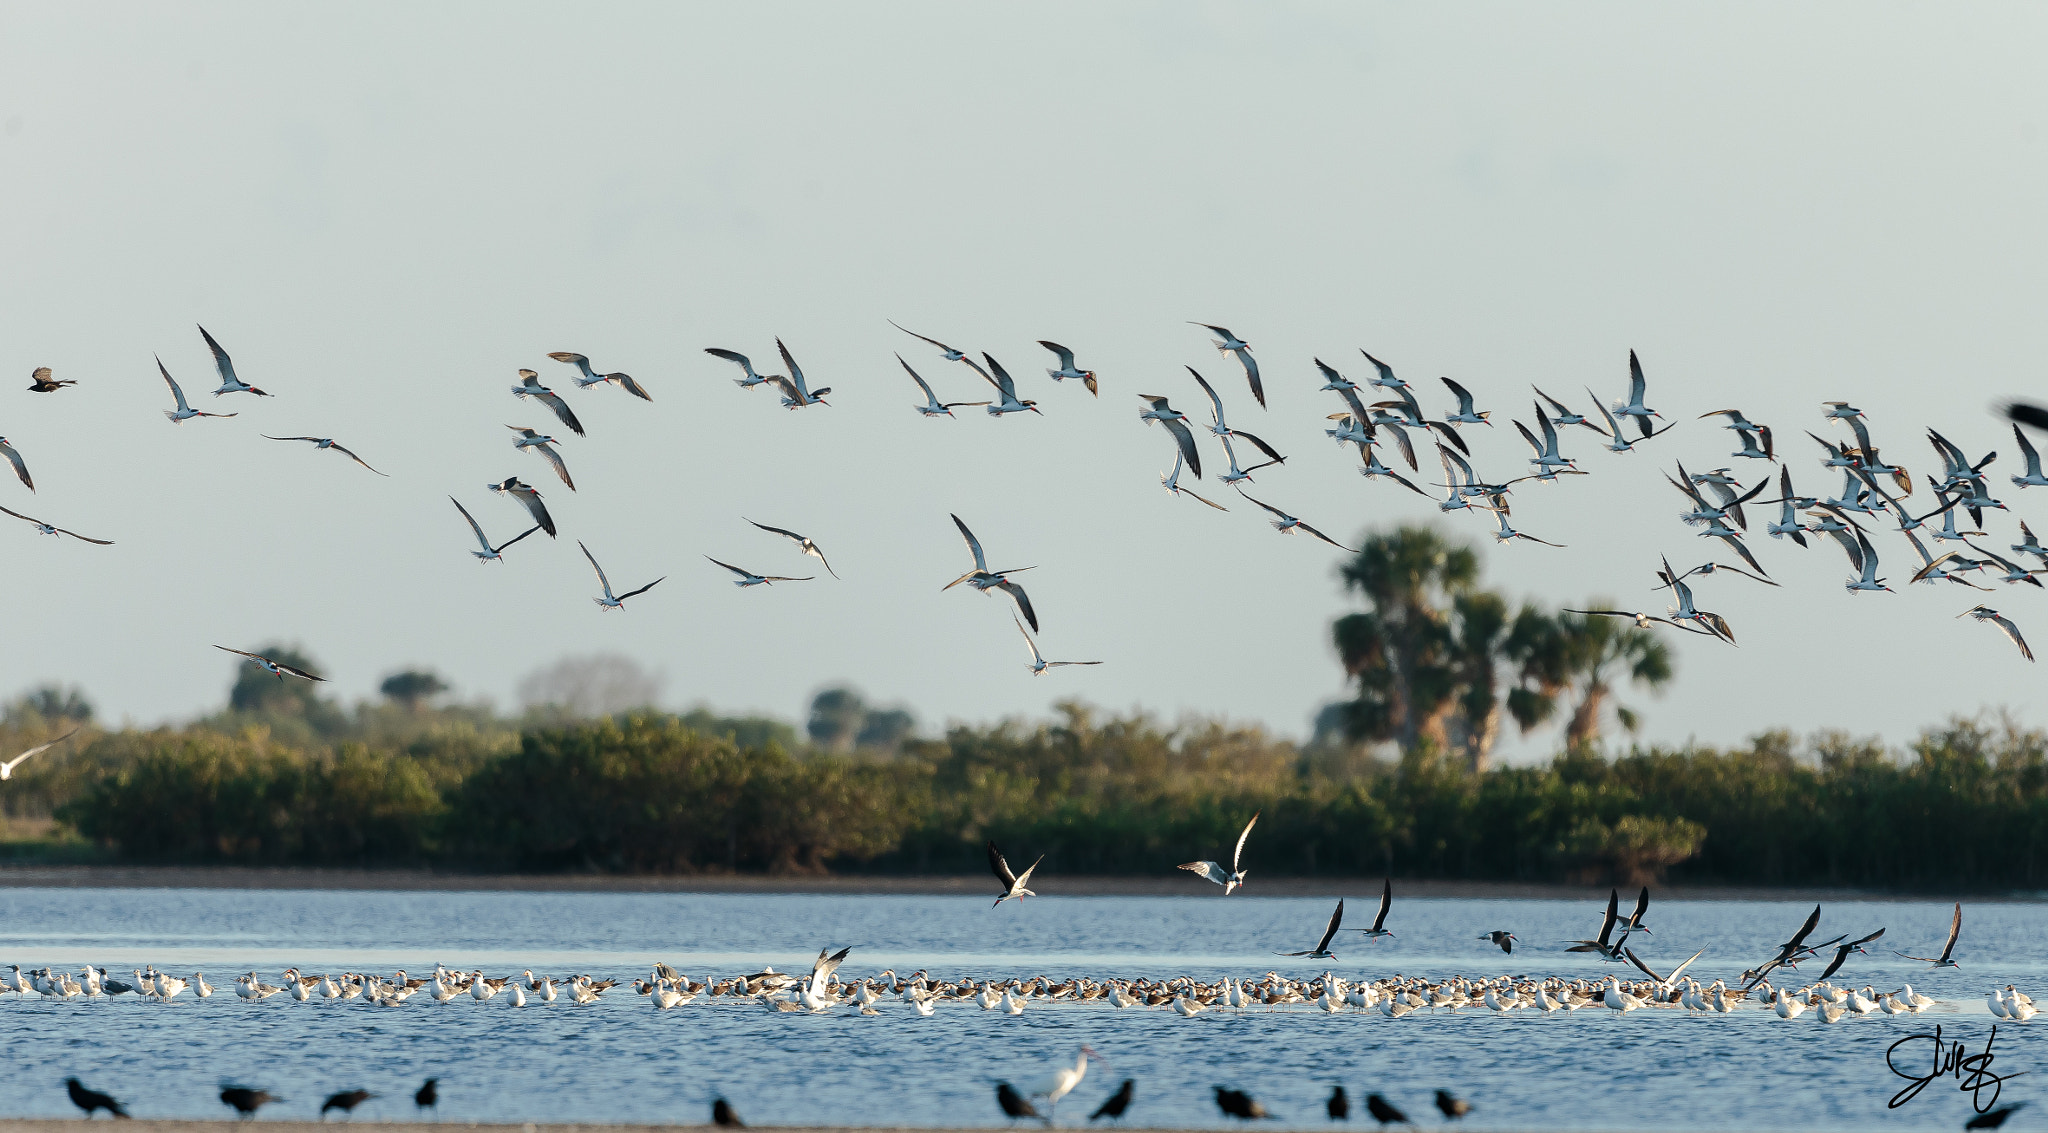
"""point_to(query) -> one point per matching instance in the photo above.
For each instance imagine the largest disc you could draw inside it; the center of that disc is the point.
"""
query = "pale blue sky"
(383, 211)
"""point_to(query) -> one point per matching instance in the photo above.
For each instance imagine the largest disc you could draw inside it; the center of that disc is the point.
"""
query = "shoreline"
(405, 880)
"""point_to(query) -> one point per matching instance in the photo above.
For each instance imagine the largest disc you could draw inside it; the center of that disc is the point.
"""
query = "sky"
(383, 211)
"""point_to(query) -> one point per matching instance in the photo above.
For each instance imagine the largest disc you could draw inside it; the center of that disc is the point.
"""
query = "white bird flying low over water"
(611, 601)
(749, 578)
(1014, 884)
(591, 377)
(2005, 624)
(7, 768)
(1038, 662)
(1286, 524)
(1228, 343)
(277, 669)
(184, 412)
(529, 499)
(327, 443)
(752, 379)
(932, 406)
(984, 579)
(529, 386)
(48, 529)
(1067, 367)
(1172, 484)
(803, 543)
(544, 445)
(1322, 949)
(1948, 950)
(229, 383)
(1210, 871)
(489, 553)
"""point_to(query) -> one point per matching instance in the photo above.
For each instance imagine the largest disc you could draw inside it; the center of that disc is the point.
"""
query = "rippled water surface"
(620, 1060)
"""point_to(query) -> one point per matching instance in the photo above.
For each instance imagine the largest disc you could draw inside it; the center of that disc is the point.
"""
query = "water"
(621, 1061)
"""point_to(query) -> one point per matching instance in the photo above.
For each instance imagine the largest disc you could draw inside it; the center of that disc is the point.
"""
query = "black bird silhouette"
(1016, 1105)
(1338, 1105)
(245, 1100)
(1503, 938)
(1384, 1112)
(1994, 1118)
(346, 1101)
(2037, 417)
(427, 1095)
(722, 1115)
(1116, 1105)
(1238, 1104)
(44, 383)
(1453, 1108)
(90, 1100)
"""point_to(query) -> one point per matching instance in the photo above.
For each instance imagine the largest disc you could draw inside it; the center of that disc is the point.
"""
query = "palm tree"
(1399, 650)
(1597, 652)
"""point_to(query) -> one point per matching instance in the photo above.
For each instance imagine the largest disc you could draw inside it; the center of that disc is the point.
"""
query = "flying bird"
(2005, 625)
(1006, 388)
(529, 386)
(544, 445)
(20, 466)
(932, 406)
(1229, 343)
(749, 578)
(1948, 950)
(592, 378)
(1225, 432)
(41, 382)
(489, 553)
(184, 412)
(1176, 423)
(229, 383)
(1843, 951)
(328, 443)
(7, 767)
(1014, 884)
(1067, 367)
(1379, 918)
(795, 394)
(1210, 871)
(1038, 662)
(276, 669)
(984, 579)
(1172, 483)
(1465, 414)
(1288, 525)
(1502, 939)
(1634, 407)
(48, 529)
(803, 544)
(530, 499)
(611, 601)
(951, 354)
(1322, 949)
(752, 379)
(1605, 946)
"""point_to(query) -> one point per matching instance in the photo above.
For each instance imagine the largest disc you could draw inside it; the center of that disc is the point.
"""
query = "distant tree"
(412, 687)
(257, 691)
(836, 718)
(1600, 652)
(886, 728)
(603, 684)
(51, 703)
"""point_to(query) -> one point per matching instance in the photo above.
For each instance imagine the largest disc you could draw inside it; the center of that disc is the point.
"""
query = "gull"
(1288, 525)
(1502, 939)
(544, 445)
(48, 529)
(803, 544)
(1607, 951)
(1210, 871)
(751, 379)
(529, 386)
(7, 767)
(1379, 918)
(611, 601)
(2033, 478)
(1500, 512)
(1636, 389)
(591, 377)
(749, 578)
(1224, 431)
(1465, 414)
(1844, 951)
(183, 412)
(1014, 884)
(1955, 929)
(229, 383)
(1615, 999)
(326, 442)
(1038, 662)
(1562, 416)
(1172, 483)
(951, 354)
(795, 394)
(1322, 949)
(984, 579)
(41, 382)
(276, 669)
(1616, 442)
(1006, 388)
(1229, 343)
(530, 498)
(932, 406)
(2005, 624)
(1067, 367)
(1547, 456)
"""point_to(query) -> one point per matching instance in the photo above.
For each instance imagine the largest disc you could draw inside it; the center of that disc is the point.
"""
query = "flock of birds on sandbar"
(1873, 488)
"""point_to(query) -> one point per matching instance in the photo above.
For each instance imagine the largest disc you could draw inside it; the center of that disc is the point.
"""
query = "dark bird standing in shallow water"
(1116, 1104)
(723, 1116)
(346, 1101)
(427, 1096)
(1383, 1111)
(1016, 1105)
(90, 1100)
(1238, 1104)
(1453, 1108)
(245, 1100)
(1338, 1105)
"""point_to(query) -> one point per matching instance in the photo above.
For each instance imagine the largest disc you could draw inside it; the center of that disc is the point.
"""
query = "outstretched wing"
(973, 544)
(1237, 855)
(1023, 602)
(1336, 920)
(1379, 919)
(995, 856)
